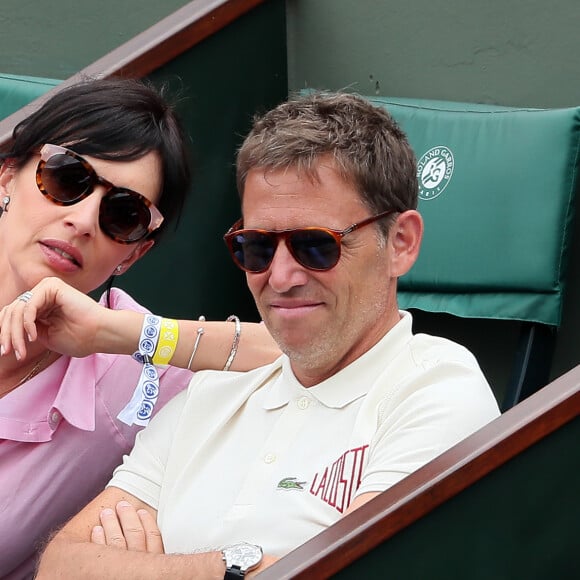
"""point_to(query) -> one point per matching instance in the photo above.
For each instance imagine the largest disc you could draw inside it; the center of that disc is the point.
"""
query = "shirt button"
(54, 418)
(269, 458)
(303, 403)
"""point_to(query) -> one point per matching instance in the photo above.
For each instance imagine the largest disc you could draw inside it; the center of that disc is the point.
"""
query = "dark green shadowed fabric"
(497, 188)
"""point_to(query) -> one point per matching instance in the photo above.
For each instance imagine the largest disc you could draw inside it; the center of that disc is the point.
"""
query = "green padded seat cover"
(496, 187)
(18, 91)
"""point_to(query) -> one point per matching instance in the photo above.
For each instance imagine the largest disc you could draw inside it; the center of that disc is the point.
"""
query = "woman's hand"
(62, 318)
(129, 529)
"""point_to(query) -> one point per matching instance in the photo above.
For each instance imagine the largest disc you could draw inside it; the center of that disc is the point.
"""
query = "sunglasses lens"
(253, 251)
(124, 216)
(315, 249)
(65, 179)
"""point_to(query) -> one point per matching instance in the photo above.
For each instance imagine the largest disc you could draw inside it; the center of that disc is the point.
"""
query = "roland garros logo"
(434, 171)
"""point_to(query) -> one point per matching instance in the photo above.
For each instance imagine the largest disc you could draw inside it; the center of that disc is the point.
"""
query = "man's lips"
(65, 250)
(295, 307)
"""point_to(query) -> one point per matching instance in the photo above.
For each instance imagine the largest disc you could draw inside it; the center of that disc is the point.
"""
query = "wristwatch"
(241, 558)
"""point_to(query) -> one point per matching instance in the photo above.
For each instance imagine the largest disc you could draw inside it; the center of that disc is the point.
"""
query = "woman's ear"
(405, 237)
(135, 255)
(7, 172)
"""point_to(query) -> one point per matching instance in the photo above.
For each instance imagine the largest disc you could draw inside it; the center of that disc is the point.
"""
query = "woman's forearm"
(121, 329)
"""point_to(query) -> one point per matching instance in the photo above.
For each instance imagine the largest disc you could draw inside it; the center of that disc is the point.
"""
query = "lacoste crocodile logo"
(290, 483)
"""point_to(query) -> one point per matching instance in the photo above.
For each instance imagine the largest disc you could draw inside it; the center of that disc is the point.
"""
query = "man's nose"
(285, 272)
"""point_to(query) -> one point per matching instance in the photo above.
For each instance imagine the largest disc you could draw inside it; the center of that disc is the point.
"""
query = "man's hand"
(129, 529)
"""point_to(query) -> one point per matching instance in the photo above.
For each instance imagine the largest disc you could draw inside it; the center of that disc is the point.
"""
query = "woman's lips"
(61, 255)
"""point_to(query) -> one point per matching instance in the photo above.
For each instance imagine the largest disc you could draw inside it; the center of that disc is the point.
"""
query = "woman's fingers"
(17, 327)
(64, 319)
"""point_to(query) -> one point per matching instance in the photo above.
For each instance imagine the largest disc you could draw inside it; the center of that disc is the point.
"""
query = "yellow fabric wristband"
(168, 337)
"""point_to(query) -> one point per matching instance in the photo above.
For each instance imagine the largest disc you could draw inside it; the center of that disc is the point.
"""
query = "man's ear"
(405, 237)
(135, 255)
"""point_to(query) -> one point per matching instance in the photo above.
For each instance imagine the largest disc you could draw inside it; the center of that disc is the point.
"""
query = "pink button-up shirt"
(60, 441)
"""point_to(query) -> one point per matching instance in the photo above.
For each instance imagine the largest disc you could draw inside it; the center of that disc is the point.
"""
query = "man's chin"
(306, 352)
(293, 346)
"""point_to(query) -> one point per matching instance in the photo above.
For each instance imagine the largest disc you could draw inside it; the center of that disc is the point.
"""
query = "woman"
(87, 184)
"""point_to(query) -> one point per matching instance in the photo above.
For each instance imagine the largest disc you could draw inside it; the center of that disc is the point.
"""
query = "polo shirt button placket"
(303, 403)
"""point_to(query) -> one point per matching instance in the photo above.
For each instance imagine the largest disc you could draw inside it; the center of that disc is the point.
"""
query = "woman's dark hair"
(113, 119)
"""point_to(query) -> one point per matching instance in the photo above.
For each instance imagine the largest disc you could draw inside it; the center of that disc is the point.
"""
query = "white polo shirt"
(257, 457)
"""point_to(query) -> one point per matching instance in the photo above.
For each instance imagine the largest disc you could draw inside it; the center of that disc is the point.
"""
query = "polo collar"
(348, 384)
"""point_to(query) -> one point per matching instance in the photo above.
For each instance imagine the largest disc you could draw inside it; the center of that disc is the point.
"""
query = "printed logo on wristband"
(145, 412)
(139, 409)
(150, 390)
(168, 337)
(150, 371)
(147, 346)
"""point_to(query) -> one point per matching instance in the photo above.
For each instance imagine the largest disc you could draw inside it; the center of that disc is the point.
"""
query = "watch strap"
(234, 572)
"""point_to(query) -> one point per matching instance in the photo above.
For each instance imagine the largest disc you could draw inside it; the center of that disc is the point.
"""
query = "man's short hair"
(369, 149)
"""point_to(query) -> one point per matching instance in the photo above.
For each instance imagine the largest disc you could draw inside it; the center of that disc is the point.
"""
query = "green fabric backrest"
(497, 188)
(17, 91)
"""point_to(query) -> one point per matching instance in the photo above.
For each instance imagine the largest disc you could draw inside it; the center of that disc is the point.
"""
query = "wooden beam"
(151, 49)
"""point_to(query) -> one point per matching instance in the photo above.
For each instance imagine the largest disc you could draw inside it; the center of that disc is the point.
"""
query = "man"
(272, 457)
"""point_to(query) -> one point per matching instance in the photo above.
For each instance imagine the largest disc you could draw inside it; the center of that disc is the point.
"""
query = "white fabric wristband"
(139, 409)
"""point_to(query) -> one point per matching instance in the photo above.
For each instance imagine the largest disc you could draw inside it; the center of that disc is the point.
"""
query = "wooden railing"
(153, 48)
(421, 492)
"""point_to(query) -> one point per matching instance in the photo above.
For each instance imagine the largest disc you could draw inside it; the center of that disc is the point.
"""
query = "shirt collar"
(75, 399)
(33, 412)
(345, 386)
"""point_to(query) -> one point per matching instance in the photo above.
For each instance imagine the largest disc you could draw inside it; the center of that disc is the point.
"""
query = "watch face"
(244, 556)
